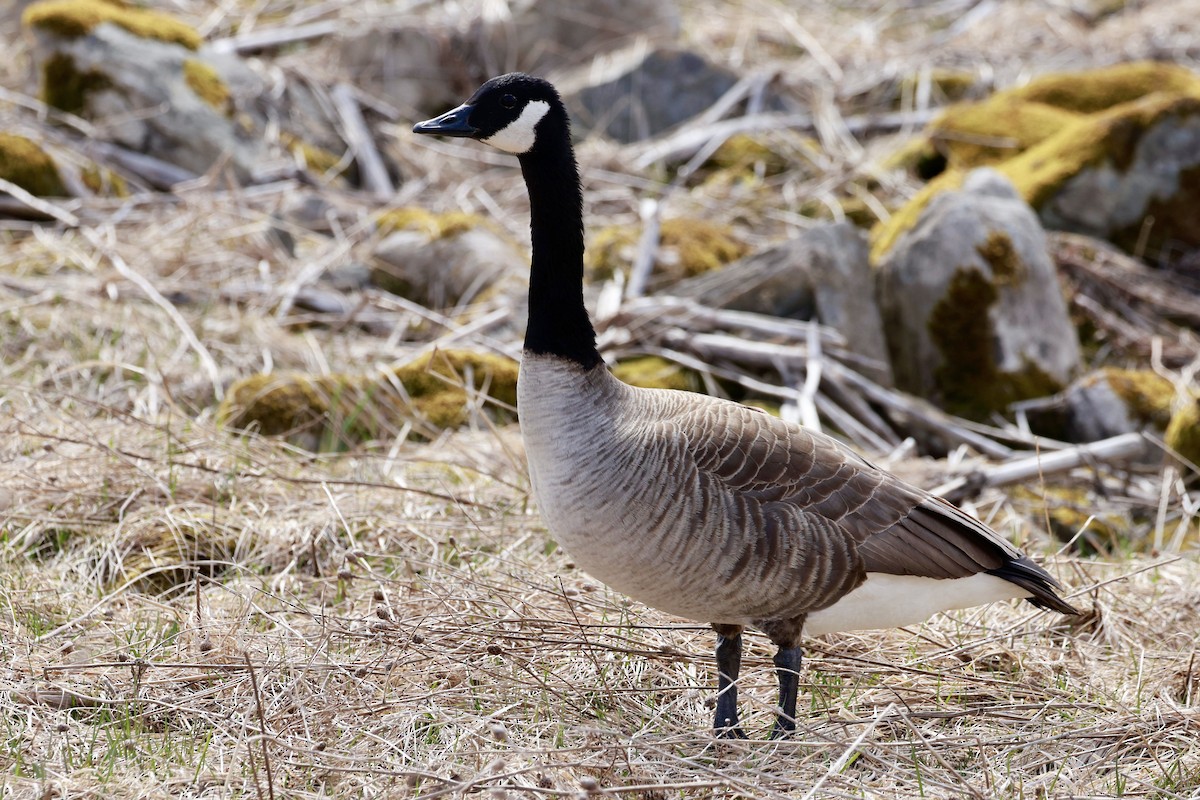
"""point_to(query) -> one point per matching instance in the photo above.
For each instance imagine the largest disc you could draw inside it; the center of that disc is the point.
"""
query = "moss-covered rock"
(27, 165)
(1183, 432)
(436, 226)
(158, 555)
(1100, 152)
(444, 260)
(1071, 514)
(974, 316)
(654, 372)
(969, 380)
(317, 158)
(66, 87)
(687, 247)
(747, 155)
(74, 18)
(339, 410)
(1147, 395)
(1012, 121)
(1105, 403)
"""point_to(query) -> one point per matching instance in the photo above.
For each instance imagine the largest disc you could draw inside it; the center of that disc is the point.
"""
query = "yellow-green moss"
(1109, 136)
(977, 134)
(74, 18)
(207, 84)
(156, 558)
(24, 163)
(687, 247)
(1147, 396)
(653, 372)
(1100, 89)
(1007, 267)
(918, 155)
(316, 158)
(66, 88)
(437, 226)
(1012, 121)
(436, 383)
(104, 182)
(969, 382)
(1183, 432)
(1068, 509)
(947, 84)
(338, 410)
(1042, 134)
(743, 153)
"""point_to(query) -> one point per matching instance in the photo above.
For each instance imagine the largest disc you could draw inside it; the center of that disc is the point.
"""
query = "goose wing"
(896, 528)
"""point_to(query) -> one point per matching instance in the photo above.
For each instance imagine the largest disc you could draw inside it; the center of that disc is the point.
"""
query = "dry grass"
(190, 613)
(186, 612)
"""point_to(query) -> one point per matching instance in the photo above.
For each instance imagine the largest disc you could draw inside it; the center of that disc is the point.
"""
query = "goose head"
(512, 112)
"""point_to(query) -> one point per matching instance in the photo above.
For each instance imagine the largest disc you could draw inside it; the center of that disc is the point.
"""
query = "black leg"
(729, 663)
(787, 667)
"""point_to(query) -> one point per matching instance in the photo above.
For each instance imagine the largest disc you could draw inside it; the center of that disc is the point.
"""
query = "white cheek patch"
(520, 135)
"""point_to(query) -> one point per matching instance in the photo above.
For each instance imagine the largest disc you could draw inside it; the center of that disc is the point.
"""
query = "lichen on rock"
(1183, 432)
(687, 247)
(974, 315)
(74, 18)
(342, 409)
(444, 260)
(207, 84)
(437, 226)
(25, 163)
(655, 372)
(1112, 153)
(66, 87)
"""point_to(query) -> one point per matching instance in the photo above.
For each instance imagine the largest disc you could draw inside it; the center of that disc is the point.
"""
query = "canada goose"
(699, 506)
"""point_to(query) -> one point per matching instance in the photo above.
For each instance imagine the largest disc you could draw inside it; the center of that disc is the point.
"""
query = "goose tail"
(1028, 575)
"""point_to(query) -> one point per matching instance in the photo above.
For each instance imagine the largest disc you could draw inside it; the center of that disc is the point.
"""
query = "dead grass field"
(187, 612)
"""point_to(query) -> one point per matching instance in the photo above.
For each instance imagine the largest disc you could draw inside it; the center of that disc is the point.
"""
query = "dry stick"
(930, 417)
(691, 140)
(262, 727)
(1118, 448)
(39, 205)
(129, 273)
(643, 262)
(843, 419)
(723, 346)
(358, 136)
(154, 171)
(272, 38)
(837, 766)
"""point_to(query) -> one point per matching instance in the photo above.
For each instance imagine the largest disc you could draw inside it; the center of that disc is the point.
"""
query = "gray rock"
(1106, 403)
(972, 310)
(821, 274)
(411, 68)
(643, 93)
(1106, 199)
(549, 34)
(147, 105)
(441, 272)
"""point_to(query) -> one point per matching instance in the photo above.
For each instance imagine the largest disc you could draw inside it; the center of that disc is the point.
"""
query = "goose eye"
(508, 101)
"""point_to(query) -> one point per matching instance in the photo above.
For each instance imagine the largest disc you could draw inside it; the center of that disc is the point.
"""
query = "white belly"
(891, 601)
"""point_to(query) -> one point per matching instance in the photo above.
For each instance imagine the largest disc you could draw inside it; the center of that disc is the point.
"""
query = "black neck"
(558, 320)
